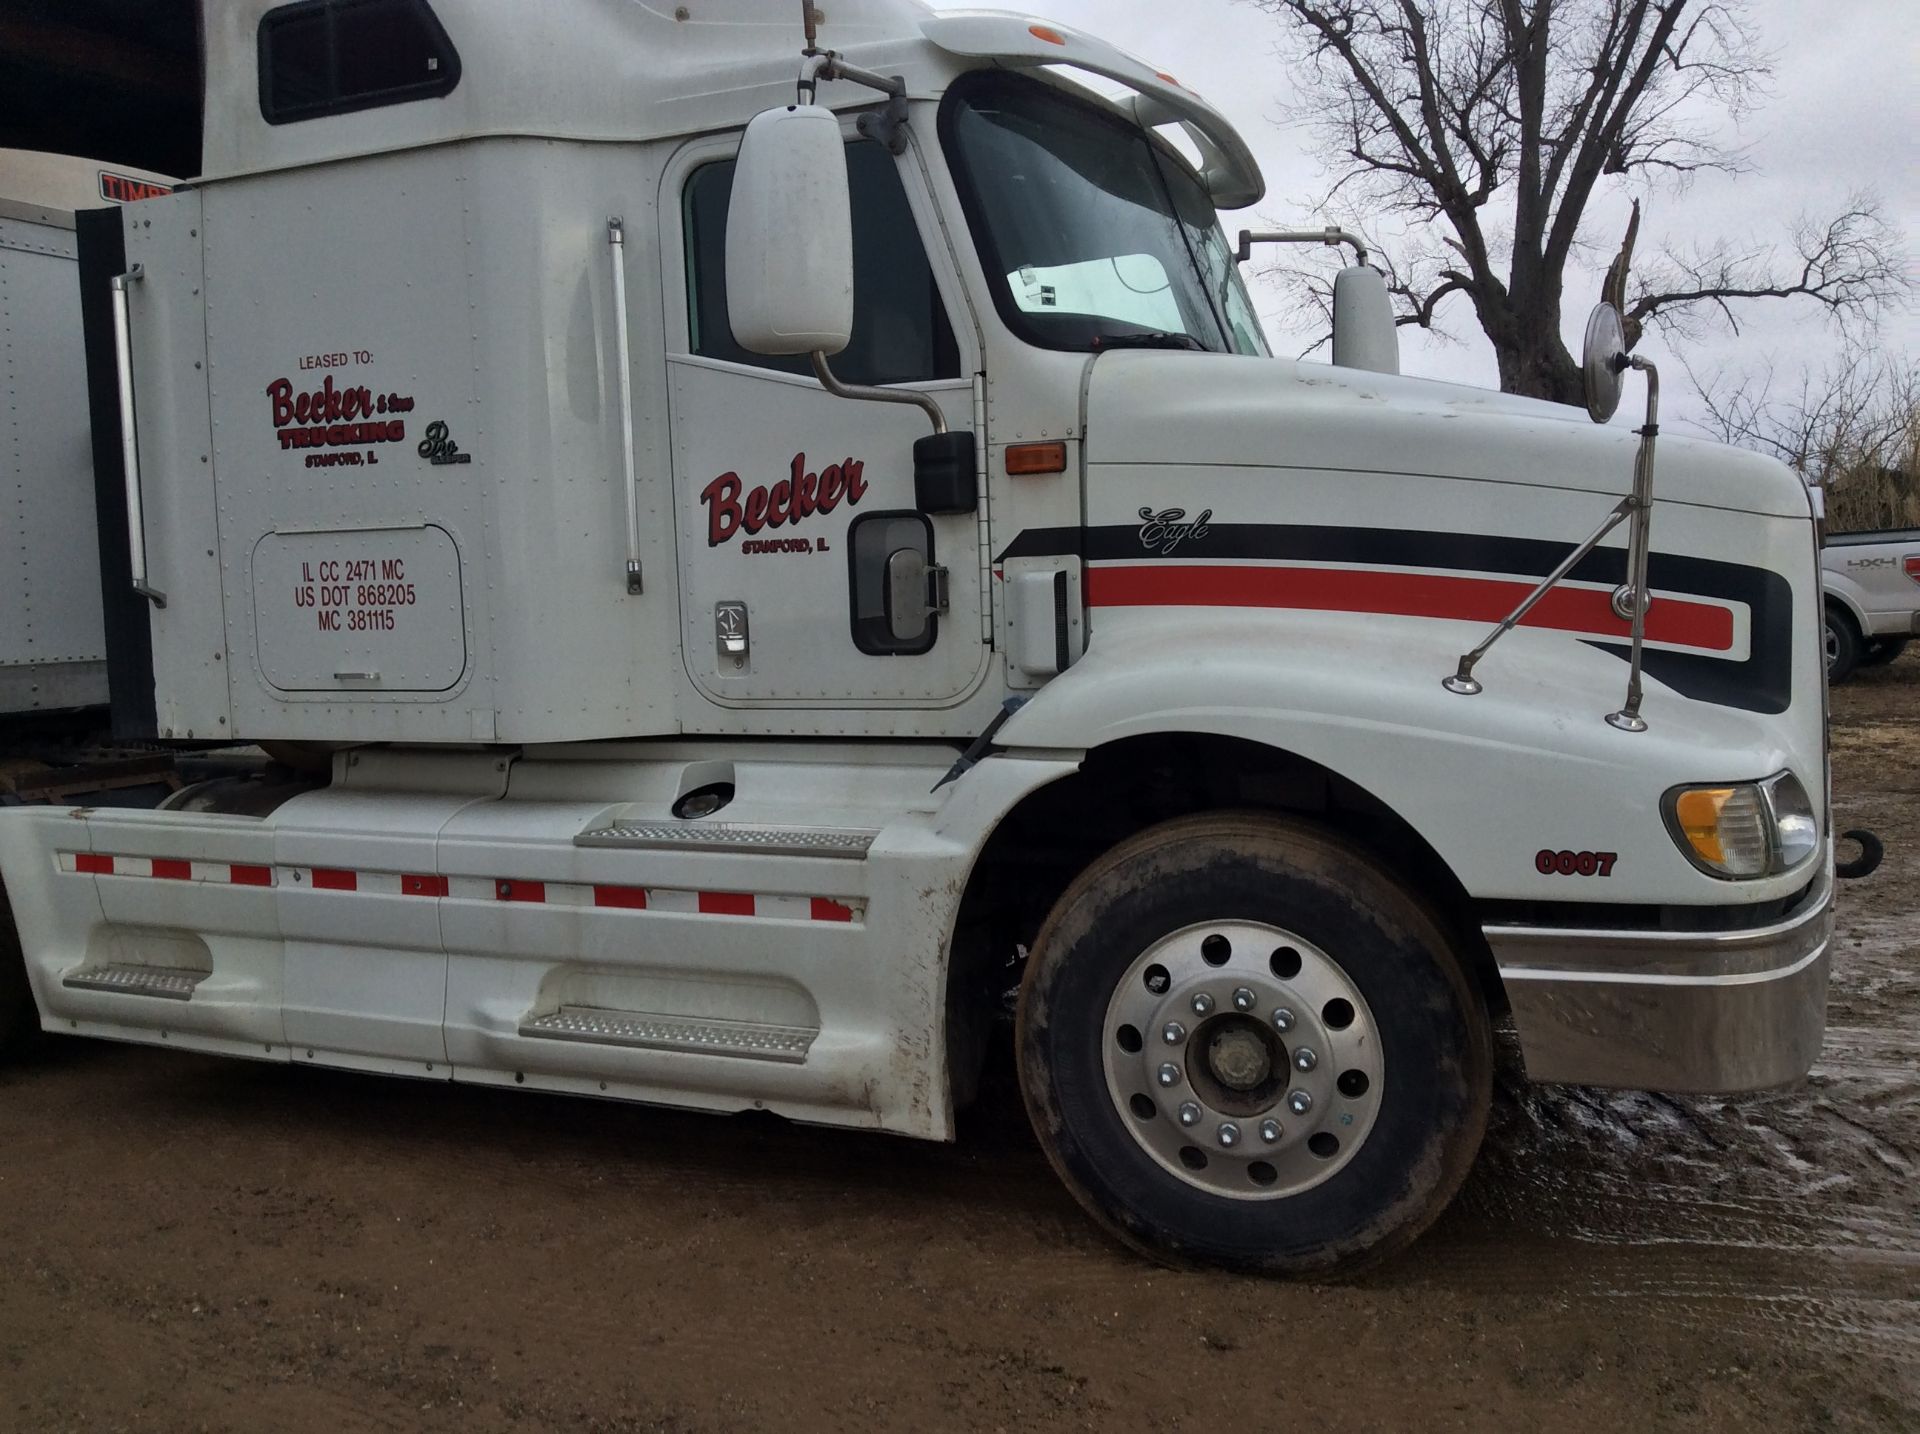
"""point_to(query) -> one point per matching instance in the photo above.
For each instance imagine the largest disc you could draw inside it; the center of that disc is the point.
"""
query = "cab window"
(900, 328)
(330, 57)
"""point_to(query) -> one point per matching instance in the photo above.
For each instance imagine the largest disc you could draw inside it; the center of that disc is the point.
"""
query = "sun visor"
(1232, 175)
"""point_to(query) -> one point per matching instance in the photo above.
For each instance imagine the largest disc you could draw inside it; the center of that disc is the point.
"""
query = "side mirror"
(1364, 335)
(1603, 361)
(790, 235)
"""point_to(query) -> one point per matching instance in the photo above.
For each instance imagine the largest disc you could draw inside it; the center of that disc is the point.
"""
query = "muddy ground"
(189, 1244)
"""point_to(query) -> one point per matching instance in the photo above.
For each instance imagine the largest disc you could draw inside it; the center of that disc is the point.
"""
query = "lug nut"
(1229, 1134)
(1269, 1130)
(1202, 1003)
(1304, 1059)
(1243, 999)
(1282, 1019)
(1173, 1033)
(1299, 1102)
(1189, 1114)
(1169, 1074)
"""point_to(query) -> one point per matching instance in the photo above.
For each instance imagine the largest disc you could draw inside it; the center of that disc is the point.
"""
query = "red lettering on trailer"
(125, 189)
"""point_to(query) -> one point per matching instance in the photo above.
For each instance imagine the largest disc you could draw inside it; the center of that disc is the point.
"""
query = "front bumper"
(1674, 1011)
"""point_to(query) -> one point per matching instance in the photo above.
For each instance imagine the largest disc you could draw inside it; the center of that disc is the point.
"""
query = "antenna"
(809, 17)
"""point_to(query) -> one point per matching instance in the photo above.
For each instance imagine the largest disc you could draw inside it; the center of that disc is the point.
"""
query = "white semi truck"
(780, 533)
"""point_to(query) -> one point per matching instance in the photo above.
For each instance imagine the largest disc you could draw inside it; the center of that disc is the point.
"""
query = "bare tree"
(1852, 429)
(1493, 125)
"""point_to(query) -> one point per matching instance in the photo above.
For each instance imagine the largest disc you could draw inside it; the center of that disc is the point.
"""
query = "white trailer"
(53, 654)
(767, 587)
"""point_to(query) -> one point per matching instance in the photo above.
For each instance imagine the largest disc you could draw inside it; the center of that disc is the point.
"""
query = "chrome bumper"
(1674, 1011)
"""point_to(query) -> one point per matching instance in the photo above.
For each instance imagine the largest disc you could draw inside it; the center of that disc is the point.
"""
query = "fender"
(1489, 781)
(1837, 587)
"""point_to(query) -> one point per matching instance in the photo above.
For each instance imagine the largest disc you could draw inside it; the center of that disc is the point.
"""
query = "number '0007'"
(1549, 862)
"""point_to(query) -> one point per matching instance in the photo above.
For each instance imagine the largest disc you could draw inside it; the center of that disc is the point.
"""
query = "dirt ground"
(189, 1244)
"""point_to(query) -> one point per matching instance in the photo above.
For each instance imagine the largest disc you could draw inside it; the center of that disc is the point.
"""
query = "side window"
(329, 57)
(900, 328)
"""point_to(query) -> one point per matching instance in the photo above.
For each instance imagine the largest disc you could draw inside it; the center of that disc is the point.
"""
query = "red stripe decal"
(726, 903)
(1676, 620)
(251, 875)
(92, 861)
(411, 885)
(629, 898)
(532, 891)
(825, 910)
(168, 869)
(327, 879)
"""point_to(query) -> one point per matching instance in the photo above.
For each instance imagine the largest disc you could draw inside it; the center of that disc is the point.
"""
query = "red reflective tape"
(93, 862)
(328, 879)
(251, 875)
(1670, 619)
(168, 869)
(825, 910)
(533, 891)
(411, 885)
(726, 903)
(629, 898)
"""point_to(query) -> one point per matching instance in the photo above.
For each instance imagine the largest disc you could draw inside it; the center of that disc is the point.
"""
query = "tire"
(1277, 922)
(1882, 650)
(19, 1017)
(1843, 646)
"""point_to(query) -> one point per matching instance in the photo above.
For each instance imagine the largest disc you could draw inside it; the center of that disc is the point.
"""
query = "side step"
(718, 836)
(715, 1036)
(167, 982)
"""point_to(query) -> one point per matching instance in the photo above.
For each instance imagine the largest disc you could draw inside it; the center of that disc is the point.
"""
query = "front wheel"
(1242, 1044)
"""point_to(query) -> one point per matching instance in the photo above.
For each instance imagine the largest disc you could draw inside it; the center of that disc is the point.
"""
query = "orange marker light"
(1698, 813)
(1028, 460)
(1043, 32)
(1163, 75)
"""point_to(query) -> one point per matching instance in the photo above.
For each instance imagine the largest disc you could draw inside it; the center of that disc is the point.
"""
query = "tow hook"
(1872, 852)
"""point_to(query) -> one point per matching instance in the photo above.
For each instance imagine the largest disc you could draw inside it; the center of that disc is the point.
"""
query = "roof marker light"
(1047, 33)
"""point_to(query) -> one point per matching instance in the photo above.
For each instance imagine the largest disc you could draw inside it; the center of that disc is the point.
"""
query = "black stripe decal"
(1761, 682)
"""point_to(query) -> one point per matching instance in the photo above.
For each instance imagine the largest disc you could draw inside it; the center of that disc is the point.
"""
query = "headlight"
(1744, 829)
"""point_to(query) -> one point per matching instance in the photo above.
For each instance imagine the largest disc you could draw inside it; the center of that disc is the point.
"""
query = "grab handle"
(617, 243)
(129, 443)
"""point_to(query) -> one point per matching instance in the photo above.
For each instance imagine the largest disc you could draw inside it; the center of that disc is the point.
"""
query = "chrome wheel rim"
(1243, 1059)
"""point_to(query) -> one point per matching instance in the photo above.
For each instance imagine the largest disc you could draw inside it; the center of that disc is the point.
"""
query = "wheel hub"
(1243, 1059)
(1239, 1058)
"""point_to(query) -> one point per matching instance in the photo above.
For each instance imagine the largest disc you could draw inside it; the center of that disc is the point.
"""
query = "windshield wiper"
(1148, 340)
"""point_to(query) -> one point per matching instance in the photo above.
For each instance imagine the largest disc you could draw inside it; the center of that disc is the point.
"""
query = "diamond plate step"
(596, 1026)
(718, 836)
(166, 982)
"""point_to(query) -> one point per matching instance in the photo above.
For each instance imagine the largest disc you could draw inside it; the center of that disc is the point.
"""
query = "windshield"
(1093, 231)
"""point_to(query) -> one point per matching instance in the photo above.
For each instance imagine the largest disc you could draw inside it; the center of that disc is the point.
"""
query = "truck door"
(789, 502)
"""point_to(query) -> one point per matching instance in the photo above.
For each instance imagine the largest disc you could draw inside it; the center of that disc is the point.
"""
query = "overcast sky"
(1843, 115)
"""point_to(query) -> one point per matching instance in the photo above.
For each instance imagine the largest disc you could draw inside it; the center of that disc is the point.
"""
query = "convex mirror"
(1603, 361)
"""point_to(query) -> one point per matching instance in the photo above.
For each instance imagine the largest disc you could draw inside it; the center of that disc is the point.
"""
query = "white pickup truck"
(1872, 583)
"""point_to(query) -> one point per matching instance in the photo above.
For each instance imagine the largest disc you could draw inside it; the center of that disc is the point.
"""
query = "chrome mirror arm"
(1633, 596)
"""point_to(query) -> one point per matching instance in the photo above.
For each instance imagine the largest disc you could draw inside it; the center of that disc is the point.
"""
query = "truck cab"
(769, 533)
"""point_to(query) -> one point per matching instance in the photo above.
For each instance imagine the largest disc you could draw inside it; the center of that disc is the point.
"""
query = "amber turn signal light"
(1027, 460)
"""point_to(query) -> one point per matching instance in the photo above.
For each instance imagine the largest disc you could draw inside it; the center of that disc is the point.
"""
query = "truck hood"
(1184, 409)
